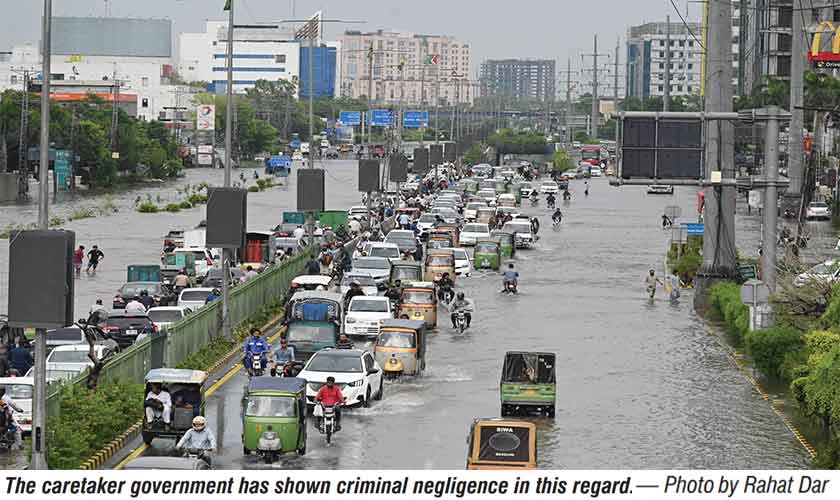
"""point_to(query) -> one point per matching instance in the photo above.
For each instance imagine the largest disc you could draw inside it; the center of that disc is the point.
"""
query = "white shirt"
(163, 397)
(135, 307)
(250, 274)
(298, 233)
(355, 226)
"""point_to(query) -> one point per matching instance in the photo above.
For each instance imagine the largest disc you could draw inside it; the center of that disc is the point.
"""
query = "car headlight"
(357, 383)
(351, 320)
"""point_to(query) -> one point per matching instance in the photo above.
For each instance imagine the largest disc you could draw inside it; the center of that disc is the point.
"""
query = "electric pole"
(719, 255)
(226, 331)
(666, 98)
(568, 138)
(615, 87)
(596, 108)
(369, 100)
(795, 148)
(115, 115)
(23, 140)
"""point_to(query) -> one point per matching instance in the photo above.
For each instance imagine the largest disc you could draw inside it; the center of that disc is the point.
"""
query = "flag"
(227, 5)
(432, 59)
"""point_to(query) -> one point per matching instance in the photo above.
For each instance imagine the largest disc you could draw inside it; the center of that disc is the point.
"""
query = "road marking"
(213, 388)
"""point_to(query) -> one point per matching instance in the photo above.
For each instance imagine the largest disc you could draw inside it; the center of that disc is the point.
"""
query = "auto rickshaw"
(487, 255)
(443, 236)
(507, 243)
(437, 244)
(418, 301)
(400, 347)
(438, 262)
(483, 215)
(528, 382)
(405, 270)
(186, 390)
(274, 417)
(314, 322)
(470, 186)
(496, 443)
(454, 230)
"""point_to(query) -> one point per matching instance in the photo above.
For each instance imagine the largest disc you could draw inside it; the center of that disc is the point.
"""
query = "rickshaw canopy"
(529, 367)
(175, 376)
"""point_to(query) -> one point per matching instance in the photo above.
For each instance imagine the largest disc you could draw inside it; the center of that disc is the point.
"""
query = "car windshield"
(417, 297)
(486, 248)
(476, 228)
(195, 295)
(427, 218)
(387, 252)
(18, 391)
(368, 305)
(518, 228)
(460, 254)
(301, 332)
(61, 374)
(549, 184)
(270, 406)
(824, 268)
(371, 264)
(440, 260)
(335, 364)
(818, 204)
(68, 357)
(396, 339)
(400, 237)
(475, 206)
(165, 315)
(406, 273)
(363, 280)
(132, 289)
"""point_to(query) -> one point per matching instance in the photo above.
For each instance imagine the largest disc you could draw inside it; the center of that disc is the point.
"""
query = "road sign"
(755, 292)
(415, 119)
(350, 117)
(380, 117)
(747, 272)
(206, 117)
(694, 228)
(756, 199)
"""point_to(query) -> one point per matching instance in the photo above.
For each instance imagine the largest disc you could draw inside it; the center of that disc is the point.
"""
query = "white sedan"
(817, 210)
(356, 373)
(828, 272)
(463, 266)
(474, 232)
(20, 389)
(549, 187)
(364, 315)
(165, 316)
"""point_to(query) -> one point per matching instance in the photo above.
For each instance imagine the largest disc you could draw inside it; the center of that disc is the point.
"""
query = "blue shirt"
(511, 275)
(255, 345)
(283, 356)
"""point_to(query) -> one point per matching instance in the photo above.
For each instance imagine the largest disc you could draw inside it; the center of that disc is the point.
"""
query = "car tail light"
(110, 329)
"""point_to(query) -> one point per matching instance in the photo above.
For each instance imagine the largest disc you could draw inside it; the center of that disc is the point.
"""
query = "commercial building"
(646, 58)
(519, 78)
(326, 72)
(411, 68)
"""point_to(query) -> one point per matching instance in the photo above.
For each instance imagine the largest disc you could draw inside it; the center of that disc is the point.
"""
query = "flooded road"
(639, 384)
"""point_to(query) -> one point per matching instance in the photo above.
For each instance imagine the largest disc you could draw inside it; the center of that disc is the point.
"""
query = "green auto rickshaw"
(528, 383)
(507, 242)
(487, 255)
(274, 417)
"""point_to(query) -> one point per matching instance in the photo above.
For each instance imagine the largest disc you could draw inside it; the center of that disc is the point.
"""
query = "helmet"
(460, 295)
(199, 422)
(320, 288)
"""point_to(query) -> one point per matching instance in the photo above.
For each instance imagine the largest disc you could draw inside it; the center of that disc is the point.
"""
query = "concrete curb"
(109, 450)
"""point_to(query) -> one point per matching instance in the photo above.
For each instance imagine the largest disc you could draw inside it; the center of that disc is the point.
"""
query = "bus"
(591, 153)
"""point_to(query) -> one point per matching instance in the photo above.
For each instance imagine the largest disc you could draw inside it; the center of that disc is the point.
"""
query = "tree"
(561, 161)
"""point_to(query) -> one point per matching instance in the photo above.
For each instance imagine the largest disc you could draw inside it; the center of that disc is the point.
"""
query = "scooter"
(268, 446)
(535, 201)
(510, 288)
(199, 454)
(256, 365)
(461, 320)
(556, 225)
(326, 422)
(290, 369)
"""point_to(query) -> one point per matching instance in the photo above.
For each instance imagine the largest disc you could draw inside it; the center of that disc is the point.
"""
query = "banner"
(206, 117)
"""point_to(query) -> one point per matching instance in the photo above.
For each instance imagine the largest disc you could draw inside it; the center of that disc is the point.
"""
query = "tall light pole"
(666, 99)
(226, 333)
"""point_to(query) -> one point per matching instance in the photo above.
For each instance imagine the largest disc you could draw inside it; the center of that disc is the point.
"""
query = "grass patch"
(185, 205)
(197, 199)
(254, 189)
(147, 207)
(56, 221)
(82, 213)
(173, 207)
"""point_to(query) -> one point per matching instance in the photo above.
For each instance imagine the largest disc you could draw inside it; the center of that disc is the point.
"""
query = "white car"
(194, 298)
(426, 223)
(67, 361)
(817, 210)
(379, 268)
(364, 314)
(471, 210)
(549, 187)
(365, 280)
(356, 373)
(488, 195)
(297, 156)
(203, 259)
(463, 266)
(827, 272)
(525, 189)
(474, 232)
(521, 231)
(20, 390)
(388, 250)
(165, 316)
(595, 172)
(304, 148)
(357, 212)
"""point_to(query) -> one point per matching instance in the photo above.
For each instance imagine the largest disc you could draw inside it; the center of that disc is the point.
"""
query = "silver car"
(379, 268)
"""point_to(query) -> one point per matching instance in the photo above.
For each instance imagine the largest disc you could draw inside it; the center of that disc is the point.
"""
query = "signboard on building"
(415, 119)
(380, 117)
(206, 117)
(350, 118)
(820, 52)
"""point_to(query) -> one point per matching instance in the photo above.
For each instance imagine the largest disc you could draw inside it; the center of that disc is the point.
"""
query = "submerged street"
(639, 385)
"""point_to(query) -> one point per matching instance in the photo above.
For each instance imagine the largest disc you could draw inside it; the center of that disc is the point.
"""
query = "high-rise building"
(646, 58)
(519, 78)
(406, 67)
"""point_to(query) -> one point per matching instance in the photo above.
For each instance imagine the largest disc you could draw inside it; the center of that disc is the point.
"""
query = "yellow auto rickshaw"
(452, 229)
(445, 236)
(418, 301)
(505, 444)
(439, 261)
(483, 215)
(400, 347)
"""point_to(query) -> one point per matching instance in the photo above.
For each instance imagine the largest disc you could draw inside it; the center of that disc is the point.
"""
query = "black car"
(214, 278)
(126, 328)
(161, 294)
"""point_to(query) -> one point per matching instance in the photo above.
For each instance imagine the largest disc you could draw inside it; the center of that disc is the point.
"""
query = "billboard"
(380, 117)
(205, 117)
(663, 148)
(350, 117)
(825, 58)
(415, 119)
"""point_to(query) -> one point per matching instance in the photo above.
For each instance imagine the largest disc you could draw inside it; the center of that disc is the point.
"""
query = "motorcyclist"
(181, 280)
(461, 304)
(567, 195)
(148, 302)
(313, 267)
(198, 438)
(395, 292)
(534, 197)
(134, 307)
(557, 216)
(551, 200)
(7, 407)
(330, 395)
(355, 291)
(255, 345)
(445, 284)
(510, 276)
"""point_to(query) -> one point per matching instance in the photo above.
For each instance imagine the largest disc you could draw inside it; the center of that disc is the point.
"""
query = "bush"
(254, 189)
(773, 350)
(197, 199)
(148, 207)
(185, 205)
(83, 213)
(56, 221)
(207, 355)
(90, 418)
(173, 207)
(726, 304)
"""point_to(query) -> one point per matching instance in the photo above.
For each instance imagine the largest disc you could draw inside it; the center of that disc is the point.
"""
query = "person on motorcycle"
(551, 200)
(395, 292)
(461, 304)
(445, 284)
(255, 345)
(567, 195)
(510, 276)
(198, 438)
(313, 267)
(135, 307)
(344, 342)
(330, 395)
(181, 280)
(8, 406)
(355, 291)
(557, 216)
(534, 197)
(148, 302)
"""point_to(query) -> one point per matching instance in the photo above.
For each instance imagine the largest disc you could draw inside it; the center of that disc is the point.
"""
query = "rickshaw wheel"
(147, 439)
(245, 451)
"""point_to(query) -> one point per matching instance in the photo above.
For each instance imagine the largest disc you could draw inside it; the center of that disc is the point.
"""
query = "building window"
(144, 81)
(661, 54)
(784, 42)
(691, 43)
(682, 43)
(688, 88)
(280, 58)
(661, 65)
(661, 43)
(690, 66)
(836, 15)
(783, 66)
(786, 17)
(13, 80)
(661, 88)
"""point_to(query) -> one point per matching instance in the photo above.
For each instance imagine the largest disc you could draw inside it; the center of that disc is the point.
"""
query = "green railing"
(193, 332)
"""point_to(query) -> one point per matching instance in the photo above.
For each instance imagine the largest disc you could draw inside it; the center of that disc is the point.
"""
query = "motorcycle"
(290, 369)
(551, 203)
(446, 294)
(556, 225)
(510, 288)
(326, 420)
(268, 446)
(535, 201)
(256, 365)
(461, 320)
(7, 431)
(199, 454)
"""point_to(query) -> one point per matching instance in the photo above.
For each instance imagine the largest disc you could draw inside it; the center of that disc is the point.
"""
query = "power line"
(677, 10)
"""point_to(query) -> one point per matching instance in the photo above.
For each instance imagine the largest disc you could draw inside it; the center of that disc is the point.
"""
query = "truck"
(259, 249)
(195, 238)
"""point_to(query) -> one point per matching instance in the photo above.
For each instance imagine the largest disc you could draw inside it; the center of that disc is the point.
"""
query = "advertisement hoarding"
(206, 117)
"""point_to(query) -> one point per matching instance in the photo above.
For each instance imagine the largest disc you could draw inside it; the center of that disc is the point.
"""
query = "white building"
(258, 54)
(646, 59)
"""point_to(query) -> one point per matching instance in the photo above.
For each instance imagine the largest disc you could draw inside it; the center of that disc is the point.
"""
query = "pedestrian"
(249, 273)
(78, 259)
(20, 358)
(99, 310)
(298, 233)
(94, 256)
(666, 221)
(650, 283)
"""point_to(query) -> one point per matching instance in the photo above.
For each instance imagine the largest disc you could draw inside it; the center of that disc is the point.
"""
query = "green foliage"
(185, 205)
(686, 264)
(197, 199)
(507, 141)
(254, 189)
(770, 348)
(83, 213)
(561, 161)
(818, 393)
(474, 155)
(725, 298)
(147, 207)
(173, 207)
(90, 418)
(56, 221)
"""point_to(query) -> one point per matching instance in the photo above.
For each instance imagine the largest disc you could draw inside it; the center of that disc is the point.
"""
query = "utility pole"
(796, 137)
(312, 37)
(369, 100)
(596, 109)
(115, 115)
(226, 255)
(39, 401)
(23, 140)
(666, 99)
(568, 138)
(719, 257)
(615, 86)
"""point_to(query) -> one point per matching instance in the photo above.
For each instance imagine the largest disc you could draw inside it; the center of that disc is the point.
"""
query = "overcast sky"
(553, 29)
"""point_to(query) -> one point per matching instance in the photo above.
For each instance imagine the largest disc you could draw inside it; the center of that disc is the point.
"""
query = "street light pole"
(666, 99)
(226, 333)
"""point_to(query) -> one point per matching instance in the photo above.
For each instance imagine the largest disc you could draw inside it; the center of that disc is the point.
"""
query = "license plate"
(131, 333)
